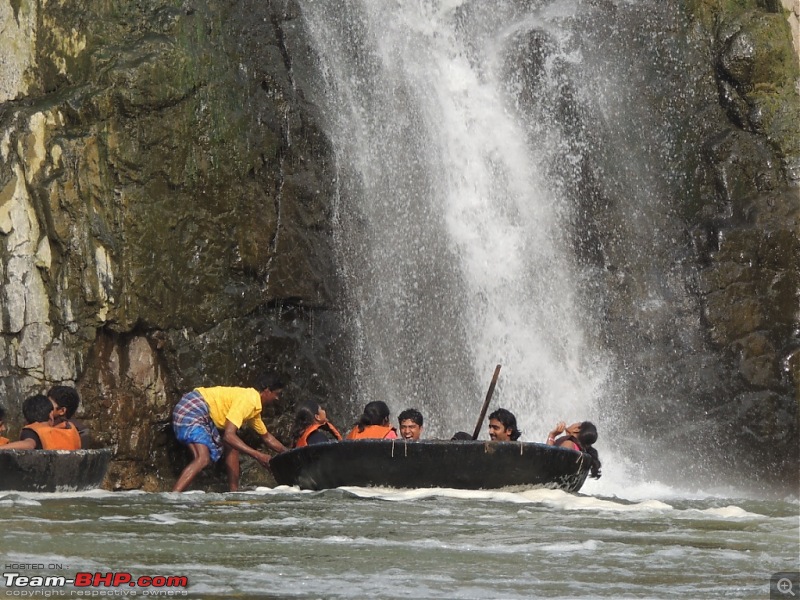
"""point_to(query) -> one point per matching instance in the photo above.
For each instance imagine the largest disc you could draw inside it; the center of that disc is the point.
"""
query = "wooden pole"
(486, 403)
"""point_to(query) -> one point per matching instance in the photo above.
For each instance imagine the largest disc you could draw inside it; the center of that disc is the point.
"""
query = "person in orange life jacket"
(374, 423)
(503, 426)
(578, 436)
(201, 414)
(66, 399)
(39, 433)
(3, 440)
(311, 425)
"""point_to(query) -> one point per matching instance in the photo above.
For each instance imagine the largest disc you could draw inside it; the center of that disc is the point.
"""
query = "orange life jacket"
(61, 437)
(303, 439)
(4, 441)
(371, 432)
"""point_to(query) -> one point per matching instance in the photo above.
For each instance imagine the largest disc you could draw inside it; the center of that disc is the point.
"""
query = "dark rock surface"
(174, 191)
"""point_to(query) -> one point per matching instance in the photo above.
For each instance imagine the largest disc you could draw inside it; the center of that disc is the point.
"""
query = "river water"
(638, 542)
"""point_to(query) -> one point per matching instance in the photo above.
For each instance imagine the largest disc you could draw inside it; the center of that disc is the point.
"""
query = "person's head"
(410, 424)
(587, 436)
(307, 413)
(461, 436)
(66, 399)
(38, 409)
(375, 413)
(269, 386)
(503, 426)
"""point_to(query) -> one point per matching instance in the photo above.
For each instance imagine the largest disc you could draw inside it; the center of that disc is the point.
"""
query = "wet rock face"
(164, 214)
(693, 273)
(748, 275)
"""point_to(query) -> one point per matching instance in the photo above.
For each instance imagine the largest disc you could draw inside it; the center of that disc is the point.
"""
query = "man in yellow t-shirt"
(203, 413)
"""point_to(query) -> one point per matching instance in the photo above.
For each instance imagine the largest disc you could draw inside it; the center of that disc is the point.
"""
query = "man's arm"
(273, 443)
(230, 437)
(28, 444)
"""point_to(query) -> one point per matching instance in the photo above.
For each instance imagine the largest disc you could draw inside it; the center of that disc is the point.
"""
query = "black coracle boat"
(52, 470)
(469, 465)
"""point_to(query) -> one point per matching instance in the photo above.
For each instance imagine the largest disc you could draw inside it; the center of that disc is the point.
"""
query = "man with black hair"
(207, 421)
(503, 426)
(410, 421)
(67, 399)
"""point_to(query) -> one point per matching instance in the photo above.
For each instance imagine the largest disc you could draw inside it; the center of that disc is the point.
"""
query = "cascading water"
(452, 234)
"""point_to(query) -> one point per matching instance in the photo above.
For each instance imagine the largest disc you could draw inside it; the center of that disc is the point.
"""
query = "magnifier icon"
(785, 586)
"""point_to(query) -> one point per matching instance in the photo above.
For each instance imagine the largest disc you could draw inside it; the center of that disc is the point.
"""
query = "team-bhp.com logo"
(94, 584)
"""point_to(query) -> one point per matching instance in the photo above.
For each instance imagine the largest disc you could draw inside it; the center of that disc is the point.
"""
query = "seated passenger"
(310, 424)
(578, 436)
(66, 399)
(3, 440)
(503, 426)
(39, 433)
(461, 436)
(410, 424)
(373, 424)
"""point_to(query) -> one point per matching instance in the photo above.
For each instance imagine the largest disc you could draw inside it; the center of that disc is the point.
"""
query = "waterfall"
(451, 225)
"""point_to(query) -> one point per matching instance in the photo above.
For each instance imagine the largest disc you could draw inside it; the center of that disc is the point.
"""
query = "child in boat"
(580, 437)
(311, 425)
(3, 440)
(66, 399)
(39, 433)
(374, 423)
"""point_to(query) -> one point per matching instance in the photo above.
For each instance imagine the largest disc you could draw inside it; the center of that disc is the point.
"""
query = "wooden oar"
(486, 403)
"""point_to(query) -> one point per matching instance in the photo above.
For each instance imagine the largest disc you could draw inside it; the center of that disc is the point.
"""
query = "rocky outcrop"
(747, 232)
(687, 200)
(164, 214)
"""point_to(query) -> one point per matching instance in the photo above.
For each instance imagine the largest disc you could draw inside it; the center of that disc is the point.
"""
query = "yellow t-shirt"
(240, 406)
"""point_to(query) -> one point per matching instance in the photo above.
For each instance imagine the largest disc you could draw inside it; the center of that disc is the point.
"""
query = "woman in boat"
(580, 437)
(373, 424)
(311, 425)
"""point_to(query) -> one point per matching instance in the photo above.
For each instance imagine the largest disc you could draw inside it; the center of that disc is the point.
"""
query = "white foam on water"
(729, 512)
(280, 490)
(34, 496)
(560, 500)
(14, 499)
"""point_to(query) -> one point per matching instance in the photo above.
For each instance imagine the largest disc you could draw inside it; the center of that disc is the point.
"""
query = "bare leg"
(232, 467)
(201, 459)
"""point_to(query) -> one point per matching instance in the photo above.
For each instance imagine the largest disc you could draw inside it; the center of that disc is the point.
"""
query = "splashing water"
(452, 234)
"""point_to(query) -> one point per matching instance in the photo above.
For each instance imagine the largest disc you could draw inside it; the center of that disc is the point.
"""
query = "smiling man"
(503, 426)
(410, 424)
